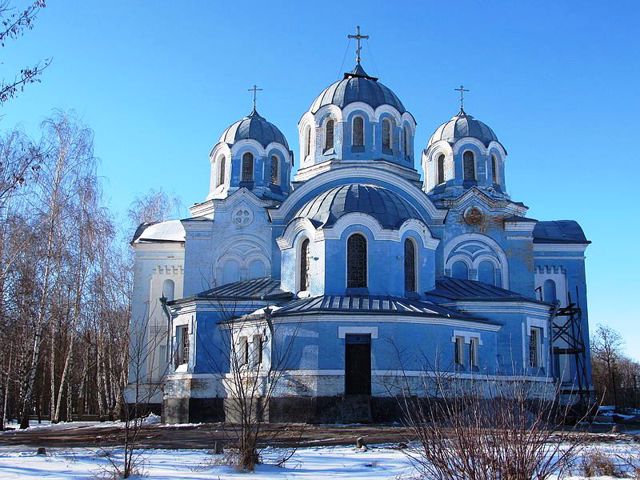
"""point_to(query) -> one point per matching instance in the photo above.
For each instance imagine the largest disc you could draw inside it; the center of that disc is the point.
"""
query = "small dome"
(357, 86)
(460, 126)
(254, 127)
(387, 207)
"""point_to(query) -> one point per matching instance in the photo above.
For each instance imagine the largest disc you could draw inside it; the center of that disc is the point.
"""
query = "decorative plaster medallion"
(242, 217)
(473, 216)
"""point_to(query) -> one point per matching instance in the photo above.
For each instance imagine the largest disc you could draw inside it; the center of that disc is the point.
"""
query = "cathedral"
(360, 267)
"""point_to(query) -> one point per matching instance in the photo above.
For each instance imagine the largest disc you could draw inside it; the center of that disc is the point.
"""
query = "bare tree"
(258, 352)
(486, 429)
(606, 351)
(154, 206)
(14, 25)
(64, 288)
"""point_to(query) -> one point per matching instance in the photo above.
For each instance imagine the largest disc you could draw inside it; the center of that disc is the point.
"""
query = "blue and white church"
(358, 267)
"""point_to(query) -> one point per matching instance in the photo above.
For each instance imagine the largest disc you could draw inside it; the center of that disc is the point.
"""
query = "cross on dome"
(255, 91)
(461, 89)
(358, 37)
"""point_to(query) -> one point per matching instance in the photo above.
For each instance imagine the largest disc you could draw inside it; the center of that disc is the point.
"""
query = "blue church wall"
(516, 247)
(384, 277)
(395, 345)
(576, 289)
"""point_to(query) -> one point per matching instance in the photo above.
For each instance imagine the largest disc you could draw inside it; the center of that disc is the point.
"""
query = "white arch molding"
(493, 253)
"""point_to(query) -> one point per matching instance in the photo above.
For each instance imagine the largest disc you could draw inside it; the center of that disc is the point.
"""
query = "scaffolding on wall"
(567, 330)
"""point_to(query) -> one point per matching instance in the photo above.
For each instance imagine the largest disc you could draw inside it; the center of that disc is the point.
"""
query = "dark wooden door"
(357, 369)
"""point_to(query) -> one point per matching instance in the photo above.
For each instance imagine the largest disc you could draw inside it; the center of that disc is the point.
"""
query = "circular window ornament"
(242, 217)
(473, 216)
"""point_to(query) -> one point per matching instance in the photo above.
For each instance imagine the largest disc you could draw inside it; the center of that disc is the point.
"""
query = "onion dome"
(254, 127)
(460, 126)
(357, 86)
(387, 207)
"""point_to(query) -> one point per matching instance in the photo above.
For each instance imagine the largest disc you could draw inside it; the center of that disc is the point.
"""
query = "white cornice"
(346, 318)
(560, 247)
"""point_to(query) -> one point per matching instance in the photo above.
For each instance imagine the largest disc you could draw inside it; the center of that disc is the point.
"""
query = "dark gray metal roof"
(254, 127)
(559, 231)
(368, 304)
(357, 86)
(518, 218)
(387, 207)
(470, 290)
(460, 126)
(264, 288)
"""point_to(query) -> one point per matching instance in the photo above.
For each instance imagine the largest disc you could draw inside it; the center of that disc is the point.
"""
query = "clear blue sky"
(557, 81)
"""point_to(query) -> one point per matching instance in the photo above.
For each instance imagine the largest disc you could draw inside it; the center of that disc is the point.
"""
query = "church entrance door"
(357, 368)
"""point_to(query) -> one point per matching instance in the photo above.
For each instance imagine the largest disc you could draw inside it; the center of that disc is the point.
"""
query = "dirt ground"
(205, 435)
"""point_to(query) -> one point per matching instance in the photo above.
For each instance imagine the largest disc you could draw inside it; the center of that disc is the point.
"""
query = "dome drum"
(254, 154)
(356, 118)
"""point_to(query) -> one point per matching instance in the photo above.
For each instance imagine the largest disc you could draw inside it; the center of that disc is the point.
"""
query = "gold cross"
(461, 89)
(358, 37)
(255, 91)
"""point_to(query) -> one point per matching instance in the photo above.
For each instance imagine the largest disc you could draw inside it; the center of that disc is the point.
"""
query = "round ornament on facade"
(242, 217)
(473, 216)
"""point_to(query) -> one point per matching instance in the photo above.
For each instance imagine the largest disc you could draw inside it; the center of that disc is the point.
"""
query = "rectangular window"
(182, 344)
(459, 351)
(257, 349)
(473, 352)
(534, 347)
(243, 351)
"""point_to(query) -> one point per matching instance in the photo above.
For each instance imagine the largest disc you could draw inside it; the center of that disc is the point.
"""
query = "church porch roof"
(370, 305)
(454, 289)
(264, 288)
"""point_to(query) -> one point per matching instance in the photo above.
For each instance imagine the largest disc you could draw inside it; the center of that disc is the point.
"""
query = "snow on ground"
(308, 463)
(378, 462)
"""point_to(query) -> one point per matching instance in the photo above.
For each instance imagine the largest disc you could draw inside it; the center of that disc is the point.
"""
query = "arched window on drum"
(469, 166)
(303, 274)
(357, 137)
(328, 134)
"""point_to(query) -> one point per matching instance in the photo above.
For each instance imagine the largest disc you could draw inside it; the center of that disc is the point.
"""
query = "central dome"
(387, 207)
(357, 86)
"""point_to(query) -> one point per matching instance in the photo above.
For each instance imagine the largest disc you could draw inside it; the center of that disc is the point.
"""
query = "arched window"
(247, 167)
(407, 141)
(487, 273)
(549, 292)
(460, 270)
(221, 170)
(469, 166)
(230, 272)
(257, 269)
(304, 265)
(386, 134)
(357, 261)
(168, 289)
(275, 170)
(440, 167)
(494, 169)
(328, 134)
(358, 132)
(409, 266)
(307, 141)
